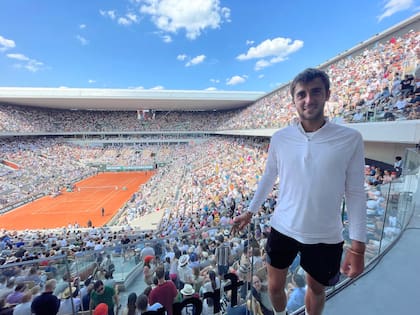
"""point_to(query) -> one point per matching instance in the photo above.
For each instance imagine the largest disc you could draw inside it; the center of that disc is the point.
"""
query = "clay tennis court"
(107, 190)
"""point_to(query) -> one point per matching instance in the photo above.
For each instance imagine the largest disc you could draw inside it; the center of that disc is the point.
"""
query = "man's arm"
(355, 194)
(354, 262)
(265, 186)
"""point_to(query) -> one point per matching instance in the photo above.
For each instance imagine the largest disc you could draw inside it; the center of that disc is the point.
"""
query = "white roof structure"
(127, 99)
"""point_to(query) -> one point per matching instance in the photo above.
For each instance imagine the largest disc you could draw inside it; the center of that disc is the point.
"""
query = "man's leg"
(276, 282)
(315, 296)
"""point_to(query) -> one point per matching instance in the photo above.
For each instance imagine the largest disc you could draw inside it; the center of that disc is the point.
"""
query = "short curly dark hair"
(308, 75)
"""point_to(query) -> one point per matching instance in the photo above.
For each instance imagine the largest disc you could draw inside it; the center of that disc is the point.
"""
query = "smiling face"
(309, 99)
(256, 282)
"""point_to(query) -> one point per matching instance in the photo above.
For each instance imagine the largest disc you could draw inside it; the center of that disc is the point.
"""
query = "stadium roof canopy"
(127, 99)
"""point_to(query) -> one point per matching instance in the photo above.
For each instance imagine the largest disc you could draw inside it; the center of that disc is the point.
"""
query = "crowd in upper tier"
(380, 82)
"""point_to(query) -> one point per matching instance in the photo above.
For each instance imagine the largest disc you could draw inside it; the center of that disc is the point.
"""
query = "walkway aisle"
(392, 287)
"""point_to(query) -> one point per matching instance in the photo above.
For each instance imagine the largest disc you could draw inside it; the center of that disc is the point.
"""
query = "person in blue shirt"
(296, 293)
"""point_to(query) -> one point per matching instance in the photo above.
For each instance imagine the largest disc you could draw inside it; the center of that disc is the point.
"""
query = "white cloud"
(158, 87)
(181, 57)
(91, 81)
(193, 16)
(128, 19)
(110, 13)
(215, 80)
(6, 43)
(393, 6)
(278, 49)
(167, 38)
(249, 42)
(195, 61)
(226, 14)
(262, 63)
(34, 65)
(82, 40)
(211, 88)
(124, 21)
(132, 17)
(261, 76)
(82, 26)
(236, 79)
(20, 57)
(27, 63)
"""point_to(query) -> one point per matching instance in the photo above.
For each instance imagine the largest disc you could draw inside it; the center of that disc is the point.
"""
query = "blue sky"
(238, 45)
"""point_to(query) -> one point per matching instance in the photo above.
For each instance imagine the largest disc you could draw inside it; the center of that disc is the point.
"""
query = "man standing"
(104, 294)
(46, 303)
(222, 255)
(165, 292)
(317, 163)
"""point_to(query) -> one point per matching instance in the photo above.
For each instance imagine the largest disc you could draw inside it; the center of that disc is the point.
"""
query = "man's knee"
(276, 280)
(314, 286)
(275, 288)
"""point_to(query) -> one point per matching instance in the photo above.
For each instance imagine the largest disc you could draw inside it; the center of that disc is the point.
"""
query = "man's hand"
(354, 261)
(241, 221)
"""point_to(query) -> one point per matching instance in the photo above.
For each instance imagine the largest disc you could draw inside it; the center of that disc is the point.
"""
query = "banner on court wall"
(128, 168)
(21, 203)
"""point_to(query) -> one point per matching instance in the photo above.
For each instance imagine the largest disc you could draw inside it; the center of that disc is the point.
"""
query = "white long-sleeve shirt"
(315, 171)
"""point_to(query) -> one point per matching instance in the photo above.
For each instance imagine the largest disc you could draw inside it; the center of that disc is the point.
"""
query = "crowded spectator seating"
(199, 203)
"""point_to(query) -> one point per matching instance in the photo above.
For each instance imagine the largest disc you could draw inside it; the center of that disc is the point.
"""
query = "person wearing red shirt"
(165, 292)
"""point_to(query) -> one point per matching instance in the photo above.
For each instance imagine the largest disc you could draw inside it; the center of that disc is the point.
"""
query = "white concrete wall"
(402, 131)
(383, 140)
(385, 152)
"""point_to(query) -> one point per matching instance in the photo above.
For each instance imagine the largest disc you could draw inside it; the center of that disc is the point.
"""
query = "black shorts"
(321, 261)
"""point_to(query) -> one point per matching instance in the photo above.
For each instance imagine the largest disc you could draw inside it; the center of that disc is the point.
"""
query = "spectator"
(389, 116)
(46, 303)
(143, 305)
(103, 294)
(68, 301)
(257, 292)
(210, 285)
(148, 270)
(17, 295)
(187, 293)
(165, 292)
(358, 115)
(130, 309)
(398, 164)
(222, 255)
(296, 293)
(24, 307)
(101, 309)
(184, 271)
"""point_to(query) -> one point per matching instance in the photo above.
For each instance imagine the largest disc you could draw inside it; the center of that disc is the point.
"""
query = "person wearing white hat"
(184, 270)
(66, 302)
(188, 292)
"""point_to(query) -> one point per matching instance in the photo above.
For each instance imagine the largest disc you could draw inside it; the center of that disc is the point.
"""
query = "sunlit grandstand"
(202, 153)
